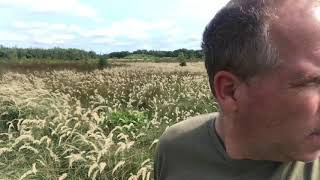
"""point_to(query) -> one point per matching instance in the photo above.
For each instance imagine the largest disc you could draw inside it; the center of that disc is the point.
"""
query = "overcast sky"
(106, 25)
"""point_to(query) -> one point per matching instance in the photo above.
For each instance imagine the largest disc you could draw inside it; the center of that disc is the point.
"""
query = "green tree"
(182, 59)
(102, 62)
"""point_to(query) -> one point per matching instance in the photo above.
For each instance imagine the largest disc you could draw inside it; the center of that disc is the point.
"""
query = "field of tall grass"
(102, 124)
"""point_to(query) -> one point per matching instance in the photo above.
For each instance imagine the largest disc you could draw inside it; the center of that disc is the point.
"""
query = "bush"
(121, 118)
(102, 62)
(182, 59)
(183, 63)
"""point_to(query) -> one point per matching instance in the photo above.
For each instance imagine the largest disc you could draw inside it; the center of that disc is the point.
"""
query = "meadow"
(99, 124)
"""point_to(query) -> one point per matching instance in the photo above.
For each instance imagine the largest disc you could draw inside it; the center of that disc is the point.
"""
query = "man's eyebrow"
(305, 80)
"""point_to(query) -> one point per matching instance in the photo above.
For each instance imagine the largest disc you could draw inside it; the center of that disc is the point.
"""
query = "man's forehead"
(299, 5)
(278, 3)
(296, 29)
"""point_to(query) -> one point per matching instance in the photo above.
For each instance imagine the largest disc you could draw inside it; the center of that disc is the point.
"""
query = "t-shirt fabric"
(191, 150)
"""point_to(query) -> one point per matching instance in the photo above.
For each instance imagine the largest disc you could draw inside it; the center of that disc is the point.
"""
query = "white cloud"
(43, 32)
(37, 27)
(72, 7)
(129, 34)
(54, 39)
(203, 9)
(12, 36)
(181, 28)
(121, 33)
(40, 25)
(191, 17)
(130, 28)
(105, 41)
(138, 34)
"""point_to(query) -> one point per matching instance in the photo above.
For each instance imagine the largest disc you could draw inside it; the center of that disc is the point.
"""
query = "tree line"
(57, 53)
(37, 53)
(187, 53)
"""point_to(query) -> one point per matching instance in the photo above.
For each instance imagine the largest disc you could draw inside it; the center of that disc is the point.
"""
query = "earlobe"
(225, 85)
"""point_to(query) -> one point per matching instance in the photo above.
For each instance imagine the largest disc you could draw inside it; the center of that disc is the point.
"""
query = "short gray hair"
(238, 40)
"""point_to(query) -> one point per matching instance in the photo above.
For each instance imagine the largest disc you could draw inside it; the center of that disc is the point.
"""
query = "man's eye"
(311, 84)
(314, 83)
(305, 84)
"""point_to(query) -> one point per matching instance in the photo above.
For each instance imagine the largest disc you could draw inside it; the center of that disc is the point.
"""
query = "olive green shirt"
(191, 150)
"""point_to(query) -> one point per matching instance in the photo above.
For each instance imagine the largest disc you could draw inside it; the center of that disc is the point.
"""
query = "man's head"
(263, 63)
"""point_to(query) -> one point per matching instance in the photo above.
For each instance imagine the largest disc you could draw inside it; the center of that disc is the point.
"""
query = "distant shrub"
(102, 62)
(182, 59)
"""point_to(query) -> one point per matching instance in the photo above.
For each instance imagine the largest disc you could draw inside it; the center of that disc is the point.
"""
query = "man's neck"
(218, 132)
(238, 147)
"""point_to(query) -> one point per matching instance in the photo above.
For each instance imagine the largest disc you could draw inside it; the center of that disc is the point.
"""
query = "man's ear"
(226, 85)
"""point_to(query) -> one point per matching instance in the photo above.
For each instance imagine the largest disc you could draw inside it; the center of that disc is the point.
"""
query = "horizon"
(2, 46)
(105, 27)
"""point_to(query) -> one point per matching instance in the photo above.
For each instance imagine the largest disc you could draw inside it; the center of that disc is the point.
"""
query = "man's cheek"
(306, 108)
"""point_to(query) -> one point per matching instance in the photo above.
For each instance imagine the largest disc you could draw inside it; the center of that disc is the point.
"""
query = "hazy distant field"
(102, 124)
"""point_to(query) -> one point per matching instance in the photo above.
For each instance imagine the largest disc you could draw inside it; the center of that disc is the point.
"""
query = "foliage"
(175, 53)
(160, 54)
(121, 54)
(21, 54)
(102, 62)
(142, 58)
(182, 59)
(36, 55)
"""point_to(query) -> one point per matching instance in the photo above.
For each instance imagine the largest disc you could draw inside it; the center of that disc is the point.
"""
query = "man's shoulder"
(184, 144)
(190, 128)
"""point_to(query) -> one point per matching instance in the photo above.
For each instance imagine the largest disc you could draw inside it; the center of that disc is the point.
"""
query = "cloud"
(190, 18)
(125, 33)
(104, 41)
(54, 39)
(201, 9)
(178, 28)
(35, 25)
(72, 7)
(12, 36)
(130, 28)
(129, 34)
(132, 34)
(42, 33)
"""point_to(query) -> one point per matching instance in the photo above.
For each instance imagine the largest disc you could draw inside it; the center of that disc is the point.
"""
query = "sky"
(106, 26)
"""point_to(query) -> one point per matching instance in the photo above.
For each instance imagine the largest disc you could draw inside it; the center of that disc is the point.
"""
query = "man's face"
(281, 108)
